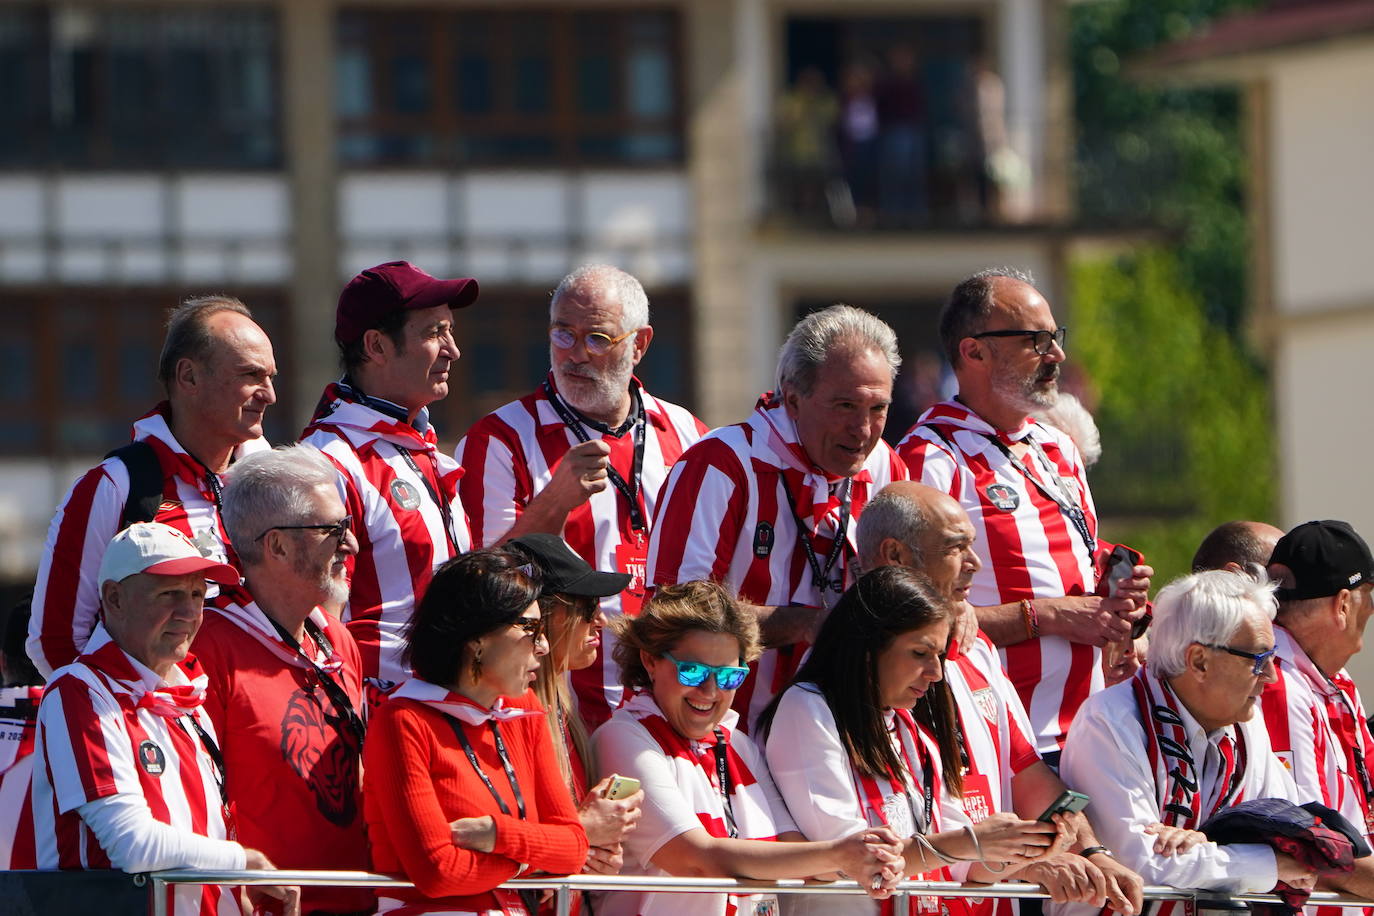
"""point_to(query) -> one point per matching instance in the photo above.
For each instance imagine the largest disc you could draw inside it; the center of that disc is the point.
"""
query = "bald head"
(1239, 546)
(913, 525)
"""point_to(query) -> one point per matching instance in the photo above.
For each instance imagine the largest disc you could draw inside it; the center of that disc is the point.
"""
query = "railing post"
(159, 896)
(563, 901)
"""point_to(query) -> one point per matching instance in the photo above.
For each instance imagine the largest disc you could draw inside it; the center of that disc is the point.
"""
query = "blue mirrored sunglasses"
(694, 674)
(1259, 658)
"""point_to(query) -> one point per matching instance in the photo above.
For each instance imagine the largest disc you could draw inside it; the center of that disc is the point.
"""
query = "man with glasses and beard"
(1024, 488)
(584, 455)
(285, 677)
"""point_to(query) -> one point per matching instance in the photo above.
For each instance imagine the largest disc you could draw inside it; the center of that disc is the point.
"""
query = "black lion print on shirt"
(311, 743)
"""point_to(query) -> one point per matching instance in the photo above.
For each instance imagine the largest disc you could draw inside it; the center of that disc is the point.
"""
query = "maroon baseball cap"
(394, 285)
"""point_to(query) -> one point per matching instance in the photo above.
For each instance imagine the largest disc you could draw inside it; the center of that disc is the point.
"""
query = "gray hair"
(1206, 607)
(188, 332)
(589, 280)
(271, 488)
(1070, 416)
(969, 305)
(889, 515)
(827, 331)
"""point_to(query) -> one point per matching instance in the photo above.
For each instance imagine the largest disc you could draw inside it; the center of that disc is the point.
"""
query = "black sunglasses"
(335, 530)
(1040, 340)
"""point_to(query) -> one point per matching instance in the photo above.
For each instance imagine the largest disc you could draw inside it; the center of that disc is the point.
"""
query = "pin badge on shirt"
(1003, 497)
(151, 758)
(405, 495)
(763, 539)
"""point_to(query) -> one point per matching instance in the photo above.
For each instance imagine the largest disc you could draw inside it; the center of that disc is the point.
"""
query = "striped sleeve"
(700, 515)
(81, 744)
(66, 597)
(495, 488)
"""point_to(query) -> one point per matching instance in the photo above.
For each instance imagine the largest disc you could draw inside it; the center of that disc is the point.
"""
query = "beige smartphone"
(621, 787)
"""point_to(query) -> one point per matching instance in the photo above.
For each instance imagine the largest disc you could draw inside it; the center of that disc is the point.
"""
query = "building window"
(517, 87)
(79, 366)
(143, 87)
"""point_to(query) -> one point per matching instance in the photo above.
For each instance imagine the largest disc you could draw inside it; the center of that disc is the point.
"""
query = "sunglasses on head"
(694, 674)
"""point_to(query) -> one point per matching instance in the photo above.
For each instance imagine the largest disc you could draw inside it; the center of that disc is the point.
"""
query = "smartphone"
(621, 787)
(1121, 562)
(1068, 803)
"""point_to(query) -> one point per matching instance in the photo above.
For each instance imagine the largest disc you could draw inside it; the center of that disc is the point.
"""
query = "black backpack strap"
(145, 482)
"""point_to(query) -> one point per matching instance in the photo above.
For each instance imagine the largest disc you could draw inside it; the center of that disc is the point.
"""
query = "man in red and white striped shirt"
(913, 525)
(1313, 712)
(585, 455)
(217, 368)
(127, 773)
(1023, 487)
(768, 506)
(394, 328)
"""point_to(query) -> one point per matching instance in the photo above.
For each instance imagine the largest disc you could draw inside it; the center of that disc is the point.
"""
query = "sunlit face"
(1231, 690)
(840, 422)
(910, 664)
(321, 558)
(1021, 377)
(594, 384)
(510, 656)
(573, 638)
(947, 555)
(234, 384)
(154, 618)
(415, 373)
(693, 711)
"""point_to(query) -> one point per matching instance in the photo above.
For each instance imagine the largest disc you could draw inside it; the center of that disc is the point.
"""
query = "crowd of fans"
(603, 639)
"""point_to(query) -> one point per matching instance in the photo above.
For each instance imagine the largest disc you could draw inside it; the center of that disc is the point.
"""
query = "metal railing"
(566, 886)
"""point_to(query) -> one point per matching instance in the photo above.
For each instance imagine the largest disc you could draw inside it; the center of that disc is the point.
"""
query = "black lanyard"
(338, 697)
(444, 511)
(820, 576)
(216, 757)
(628, 489)
(723, 783)
(505, 765)
(1060, 494)
(927, 779)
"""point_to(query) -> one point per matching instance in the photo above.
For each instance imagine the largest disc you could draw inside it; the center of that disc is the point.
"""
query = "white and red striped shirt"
(510, 456)
(682, 792)
(101, 734)
(1317, 727)
(1028, 545)
(725, 514)
(403, 496)
(66, 597)
(18, 726)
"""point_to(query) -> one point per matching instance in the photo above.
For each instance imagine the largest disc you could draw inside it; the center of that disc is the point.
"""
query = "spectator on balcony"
(857, 131)
(217, 369)
(903, 140)
(394, 328)
(710, 807)
(462, 787)
(806, 118)
(585, 454)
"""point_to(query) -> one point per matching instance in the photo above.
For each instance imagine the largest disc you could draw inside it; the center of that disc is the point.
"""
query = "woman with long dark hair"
(866, 736)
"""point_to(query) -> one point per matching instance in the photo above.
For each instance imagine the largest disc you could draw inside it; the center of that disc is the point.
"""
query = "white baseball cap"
(152, 547)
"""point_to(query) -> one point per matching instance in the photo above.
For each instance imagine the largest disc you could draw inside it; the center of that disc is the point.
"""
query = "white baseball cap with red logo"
(152, 547)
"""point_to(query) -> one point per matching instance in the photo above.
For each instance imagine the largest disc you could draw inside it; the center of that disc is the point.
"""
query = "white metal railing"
(564, 887)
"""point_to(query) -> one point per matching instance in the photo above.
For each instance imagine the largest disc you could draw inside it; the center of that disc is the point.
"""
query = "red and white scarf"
(816, 492)
(457, 705)
(237, 606)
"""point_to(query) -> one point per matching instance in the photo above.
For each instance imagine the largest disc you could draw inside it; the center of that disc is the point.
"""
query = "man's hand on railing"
(604, 861)
(268, 899)
(1125, 888)
(1172, 841)
(1068, 878)
(1294, 873)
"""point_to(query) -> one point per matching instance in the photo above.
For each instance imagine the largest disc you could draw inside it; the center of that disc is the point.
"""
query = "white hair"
(592, 281)
(271, 488)
(1070, 416)
(824, 332)
(1206, 607)
(889, 515)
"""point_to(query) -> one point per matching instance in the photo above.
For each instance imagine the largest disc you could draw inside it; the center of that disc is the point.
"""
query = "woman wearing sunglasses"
(710, 808)
(462, 787)
(571, 604)
(866, 735)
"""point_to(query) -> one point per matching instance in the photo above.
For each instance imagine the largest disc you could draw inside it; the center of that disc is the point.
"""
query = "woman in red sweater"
(462, 785)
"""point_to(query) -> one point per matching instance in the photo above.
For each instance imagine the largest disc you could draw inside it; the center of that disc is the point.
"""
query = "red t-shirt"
(294, 783)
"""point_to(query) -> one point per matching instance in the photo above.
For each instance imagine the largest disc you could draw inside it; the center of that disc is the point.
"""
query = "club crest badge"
(405, 495)
(151, 758)
(1003, 497)
(763, 539)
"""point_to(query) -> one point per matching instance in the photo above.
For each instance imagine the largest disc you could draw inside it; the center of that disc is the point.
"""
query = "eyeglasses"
(1040, 340)
(582, 605)
(336, 530)
(597, 343)
(1259, 658)
(535, 627)
(694, 674)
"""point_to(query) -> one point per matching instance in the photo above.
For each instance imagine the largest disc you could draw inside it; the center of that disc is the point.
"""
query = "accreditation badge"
(634, 560)
(977, 797)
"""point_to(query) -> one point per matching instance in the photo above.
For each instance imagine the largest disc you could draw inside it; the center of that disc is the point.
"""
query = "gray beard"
(607, 395)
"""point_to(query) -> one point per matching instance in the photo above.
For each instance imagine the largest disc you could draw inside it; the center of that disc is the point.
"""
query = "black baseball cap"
(1324, 558)
(564, 571)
